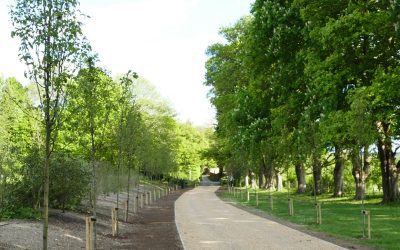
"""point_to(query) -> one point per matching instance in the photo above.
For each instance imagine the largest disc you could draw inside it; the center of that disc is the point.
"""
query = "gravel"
(206, 222)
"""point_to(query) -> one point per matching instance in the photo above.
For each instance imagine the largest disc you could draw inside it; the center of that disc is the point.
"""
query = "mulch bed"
(154, 225)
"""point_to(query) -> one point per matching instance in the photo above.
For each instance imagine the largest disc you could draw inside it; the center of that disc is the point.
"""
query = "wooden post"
(367, 214)
(369, 224)
(114, 221)
(141, 200)
(271, 202)
(319, 214)
(150, 198)
(248, 195)
(88, 235)
(146, 198)
(256, 198)
(134, 203)
(290, 203)
(126, 210)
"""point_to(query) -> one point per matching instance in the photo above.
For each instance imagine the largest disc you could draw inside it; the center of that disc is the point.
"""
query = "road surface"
(206, 222)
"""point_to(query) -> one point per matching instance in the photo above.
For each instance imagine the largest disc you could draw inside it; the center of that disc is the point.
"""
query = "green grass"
(341, 217)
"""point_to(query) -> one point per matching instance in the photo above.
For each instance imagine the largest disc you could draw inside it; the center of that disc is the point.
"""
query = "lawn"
(341, 217)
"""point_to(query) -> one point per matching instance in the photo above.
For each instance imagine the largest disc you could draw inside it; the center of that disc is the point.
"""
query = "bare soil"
(152, 227)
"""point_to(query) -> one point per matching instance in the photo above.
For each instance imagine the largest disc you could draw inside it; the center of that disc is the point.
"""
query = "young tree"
(51, 41)
(91, 96)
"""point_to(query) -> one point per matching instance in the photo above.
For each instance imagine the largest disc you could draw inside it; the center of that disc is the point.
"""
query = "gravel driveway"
(206, 222)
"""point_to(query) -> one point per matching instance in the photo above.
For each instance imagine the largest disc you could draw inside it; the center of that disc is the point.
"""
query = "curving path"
(206, 222)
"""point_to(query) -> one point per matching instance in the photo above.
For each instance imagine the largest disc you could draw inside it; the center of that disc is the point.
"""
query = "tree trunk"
(94, 184)
(261, 176)
(338, 172)
(253, 179)
(279, 181)
(268, 174)
(389, 169)
(317, 174)
(269, 178)
(46, 182)
(246, 180)
(360, 172)
(301, 177)
(127, 197)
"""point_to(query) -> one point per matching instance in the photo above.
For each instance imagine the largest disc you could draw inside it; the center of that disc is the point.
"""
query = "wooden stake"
(114, 221)
(134, 203)
(126, 210)
(290, 203)
(256, 198)
(271, 202)
(89, 221)
(319, 214)
(367, 214)
(88, 235)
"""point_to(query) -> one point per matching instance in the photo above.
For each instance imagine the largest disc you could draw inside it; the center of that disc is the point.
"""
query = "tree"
(17, 132)
(50, 45)
(92, 96)
(352, 45)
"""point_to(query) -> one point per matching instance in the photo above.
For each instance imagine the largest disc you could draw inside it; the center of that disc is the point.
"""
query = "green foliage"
(299, 80)
(69, 181)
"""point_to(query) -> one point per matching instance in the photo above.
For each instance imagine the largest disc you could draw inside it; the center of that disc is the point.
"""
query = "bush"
(69, 181)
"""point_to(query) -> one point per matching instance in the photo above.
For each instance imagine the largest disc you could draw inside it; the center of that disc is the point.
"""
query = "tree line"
(75, 131)
(307, 88)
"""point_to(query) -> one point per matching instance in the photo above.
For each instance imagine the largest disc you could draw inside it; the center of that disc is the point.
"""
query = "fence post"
(256, 198)
(367, 213)
(319, 214)
(135, 203)
(290, 203)
(126, 210)
(248, 195)
(150, 198)
(88, 235)
(271, 202)
(114, 221)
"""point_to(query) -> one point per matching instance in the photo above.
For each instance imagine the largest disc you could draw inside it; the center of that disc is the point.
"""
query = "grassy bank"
(341, 217)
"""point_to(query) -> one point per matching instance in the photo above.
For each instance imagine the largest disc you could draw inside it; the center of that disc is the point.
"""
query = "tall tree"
(91, 96)
(50, 44)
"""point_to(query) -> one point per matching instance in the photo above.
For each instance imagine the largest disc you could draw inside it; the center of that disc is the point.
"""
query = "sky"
(163, 41)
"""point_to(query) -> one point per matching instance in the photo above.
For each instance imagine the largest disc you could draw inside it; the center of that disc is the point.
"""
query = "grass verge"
(341, 217)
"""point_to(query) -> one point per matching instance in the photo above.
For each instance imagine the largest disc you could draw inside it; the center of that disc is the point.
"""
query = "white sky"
(164, 41)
